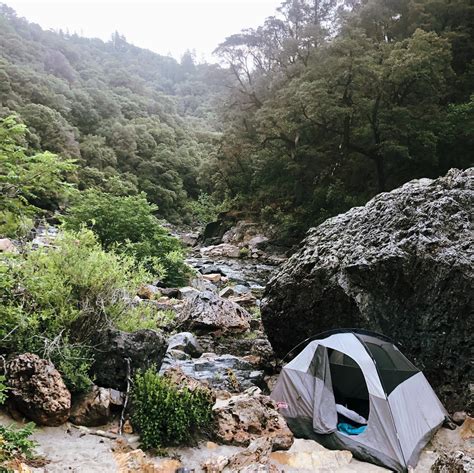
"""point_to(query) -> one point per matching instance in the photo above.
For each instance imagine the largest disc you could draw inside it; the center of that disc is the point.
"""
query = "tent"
(354, 390)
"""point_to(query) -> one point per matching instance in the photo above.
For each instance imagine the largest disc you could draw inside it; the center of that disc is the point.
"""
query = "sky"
(164, 26)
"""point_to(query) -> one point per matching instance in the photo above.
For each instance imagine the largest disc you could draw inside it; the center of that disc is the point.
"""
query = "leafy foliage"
(27, 182)
(14, 443)
(54, 299)
(206, 208)
(145, 317)
(120, 110)
(128, 225)
(331, 103)
(166, 415)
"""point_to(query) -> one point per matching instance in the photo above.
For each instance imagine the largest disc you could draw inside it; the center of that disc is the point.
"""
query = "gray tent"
(344, 377)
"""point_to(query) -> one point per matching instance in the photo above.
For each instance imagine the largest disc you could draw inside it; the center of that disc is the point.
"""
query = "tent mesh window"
(348, 383)
(392, 366)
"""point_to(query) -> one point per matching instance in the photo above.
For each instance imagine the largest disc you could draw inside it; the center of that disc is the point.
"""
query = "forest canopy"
(316, 110)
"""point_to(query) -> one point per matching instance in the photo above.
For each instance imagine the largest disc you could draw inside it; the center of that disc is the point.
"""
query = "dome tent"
(344, 377)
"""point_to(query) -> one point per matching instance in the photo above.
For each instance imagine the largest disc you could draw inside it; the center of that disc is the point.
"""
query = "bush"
(128, 225)
(145, 317)
(205, 209)
(53, 300)
(166, 415)
(14, 443)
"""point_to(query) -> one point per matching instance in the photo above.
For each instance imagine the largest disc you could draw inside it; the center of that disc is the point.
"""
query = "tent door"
(324, 404)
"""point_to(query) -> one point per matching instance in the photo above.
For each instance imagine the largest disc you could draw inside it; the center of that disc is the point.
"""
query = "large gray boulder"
(206, 312)
(401, 265)
(143, 348)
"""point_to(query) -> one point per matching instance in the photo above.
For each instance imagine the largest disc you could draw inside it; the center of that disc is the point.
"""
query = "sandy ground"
(69, 449)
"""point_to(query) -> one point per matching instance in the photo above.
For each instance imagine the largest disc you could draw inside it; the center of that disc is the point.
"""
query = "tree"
(27, 183)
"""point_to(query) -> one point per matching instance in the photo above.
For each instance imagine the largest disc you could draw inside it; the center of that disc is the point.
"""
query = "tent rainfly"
(354, 390)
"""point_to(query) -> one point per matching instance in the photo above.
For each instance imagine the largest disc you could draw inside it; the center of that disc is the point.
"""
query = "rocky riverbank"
(211, 337)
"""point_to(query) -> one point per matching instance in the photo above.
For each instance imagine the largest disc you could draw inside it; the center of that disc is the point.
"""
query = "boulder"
(212, 269)
(7, 246)
(455, 462)
(248, 300)
(212, 277)
(401, 265)
(171, 292)
(206, 312)
(248, 416)
(187, 292)
(95, 407)
(143, 347)
(225, 250)
(237, 290)
(37, 390)
(186, 342)
(148, 291)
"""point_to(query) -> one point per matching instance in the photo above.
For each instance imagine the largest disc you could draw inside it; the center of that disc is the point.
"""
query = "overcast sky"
(164, 26)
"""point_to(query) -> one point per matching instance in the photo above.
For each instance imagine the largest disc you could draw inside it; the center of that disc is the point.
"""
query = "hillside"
(120, 110)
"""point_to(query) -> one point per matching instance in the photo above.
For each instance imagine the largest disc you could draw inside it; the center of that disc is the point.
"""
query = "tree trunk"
(380, 167)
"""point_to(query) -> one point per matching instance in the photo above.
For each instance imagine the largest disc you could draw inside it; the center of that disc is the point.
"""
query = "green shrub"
(165, 414)
(145, 317)
(14, 443)
(54, 299)
(128, 225)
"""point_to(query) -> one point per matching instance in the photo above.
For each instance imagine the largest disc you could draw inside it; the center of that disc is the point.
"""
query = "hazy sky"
(164, 26)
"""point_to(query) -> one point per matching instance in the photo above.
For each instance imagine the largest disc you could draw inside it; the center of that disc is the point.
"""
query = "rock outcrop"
(143, 348)
(248, 416)
(401, 265)
(206, 312)
(37, 390)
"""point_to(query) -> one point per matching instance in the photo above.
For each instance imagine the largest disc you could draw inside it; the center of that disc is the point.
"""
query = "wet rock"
(95, 407)
(187, 292)
(186, 342)
(37, 390)
(7, 246)
(143, 347)
(401, 265)
(309, 456)
(456, 462)
(222, 250)
(212, 269)
(224, 372)
(248, 416)
(207, 312)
